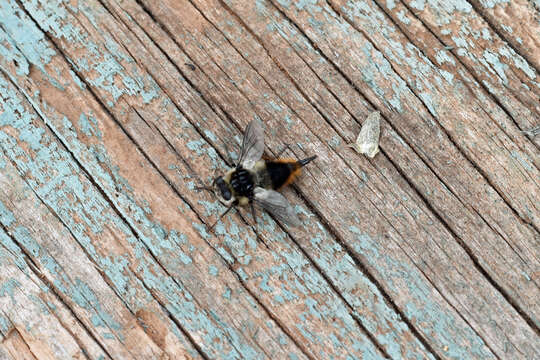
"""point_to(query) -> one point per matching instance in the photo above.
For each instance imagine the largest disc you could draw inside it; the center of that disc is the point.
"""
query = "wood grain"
(518, 22)
(112, 112)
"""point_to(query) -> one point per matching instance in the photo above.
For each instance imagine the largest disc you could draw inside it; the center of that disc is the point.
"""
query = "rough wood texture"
(112, 111)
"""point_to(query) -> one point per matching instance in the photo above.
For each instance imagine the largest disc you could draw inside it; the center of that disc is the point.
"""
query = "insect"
(254, 180)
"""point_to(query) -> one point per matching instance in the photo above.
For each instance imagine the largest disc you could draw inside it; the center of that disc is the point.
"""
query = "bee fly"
(255, 180)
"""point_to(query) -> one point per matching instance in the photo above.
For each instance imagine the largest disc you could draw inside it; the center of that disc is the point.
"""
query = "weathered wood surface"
(111, 111)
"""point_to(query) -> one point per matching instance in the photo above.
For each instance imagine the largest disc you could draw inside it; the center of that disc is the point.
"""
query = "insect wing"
(277, 205)
(252, 145)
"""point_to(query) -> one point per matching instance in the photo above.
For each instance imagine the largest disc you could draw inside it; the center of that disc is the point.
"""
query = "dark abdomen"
(281, 172)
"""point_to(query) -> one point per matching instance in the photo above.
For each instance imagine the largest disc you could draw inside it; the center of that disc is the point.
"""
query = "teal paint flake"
(89, 126)
(284, 3)
(490, 4)
(108, 336)
(401, 17)
(211, 136)
(11, 253)
(309, 5)
(5, 324)
(524, 163)
(518, 61)
(507, 28)
(6, 216)
(449, 77)
(51, 16)
(77, 80)
(444, 56)
(418, 4)
(212, 270)
(8, 288)
(430, 103)
(31, 45)
(498, 66)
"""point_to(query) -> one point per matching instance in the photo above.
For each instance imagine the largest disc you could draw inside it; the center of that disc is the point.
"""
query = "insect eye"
(223, 188)
(226, 194)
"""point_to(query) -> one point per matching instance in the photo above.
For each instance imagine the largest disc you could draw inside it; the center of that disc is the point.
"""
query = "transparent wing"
(252, 145)
(277, 205)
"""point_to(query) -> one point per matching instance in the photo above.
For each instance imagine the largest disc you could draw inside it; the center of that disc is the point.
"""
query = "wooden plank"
(25, 301)
(67, 268)
(4, 352)
(162, 12)
(518, 22)
(489, 149)
(177, 30)
(385, 325)
(109, 255)
(466, 45)
(512, 253)
(346, 331)
(16, 347)
(122, 136)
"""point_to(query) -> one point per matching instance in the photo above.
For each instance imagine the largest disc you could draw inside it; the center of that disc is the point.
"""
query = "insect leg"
(256, 225)
(220, 216)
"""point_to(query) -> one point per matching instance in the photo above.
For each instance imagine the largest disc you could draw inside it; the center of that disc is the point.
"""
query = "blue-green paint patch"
(498, 66)
(490, 4)
(89, 125)
(447, 76)
(52, 17)
(6, 216)
(518, 61)
(284, 3)
(401, 17)
(418, 4)
(227, 294)
(77, 80)
(5, 324)
(309, 5)
(30, 41)
(212, 270)
(517, 156)
(211, 136)
(8, 287)
(443, 56)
